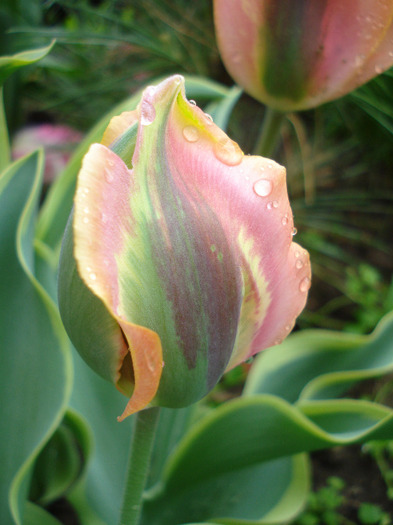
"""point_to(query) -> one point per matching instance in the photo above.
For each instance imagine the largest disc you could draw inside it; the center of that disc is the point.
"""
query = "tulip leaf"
(274, 489)
(9, 64)
(250, 438)
(35, 515)
(57, 206)
(35, 364)
(4, 139)
(221, 111)
(319, 364)
(61, 462)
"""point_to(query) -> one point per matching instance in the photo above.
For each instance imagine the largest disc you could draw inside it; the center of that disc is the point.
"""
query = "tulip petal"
(297, 55)
(249, 195)
(100, 225)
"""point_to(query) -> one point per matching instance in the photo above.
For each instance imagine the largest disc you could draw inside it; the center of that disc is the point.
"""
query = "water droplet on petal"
(284, 220)
(86, 209)
(269, 205)
(304, 285)
(108, 176)
(378, 70)
(85, 220)
(209, 118)
(294, 232)
(263, 187)
(297, 254)
(192, 102)
(150, 363)
(228, 152)
(148, 113)
(191, 133)
(110, 163)
(391, 53)
(93, 276)
(299, 264)
(275, 204)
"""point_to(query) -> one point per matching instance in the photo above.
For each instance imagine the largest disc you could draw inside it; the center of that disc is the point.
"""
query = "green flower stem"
(138, 465)
(270, 132)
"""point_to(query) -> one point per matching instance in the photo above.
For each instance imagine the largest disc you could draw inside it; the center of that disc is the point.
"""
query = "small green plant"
(323, 508)
(323, 505)
(370, 514)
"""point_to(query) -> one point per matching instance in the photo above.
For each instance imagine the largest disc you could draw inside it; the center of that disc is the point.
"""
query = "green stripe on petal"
(180, 288)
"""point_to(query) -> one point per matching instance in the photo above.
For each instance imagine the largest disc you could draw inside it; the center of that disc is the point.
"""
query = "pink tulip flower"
(178, 262)
(298, 54)
(58, 142)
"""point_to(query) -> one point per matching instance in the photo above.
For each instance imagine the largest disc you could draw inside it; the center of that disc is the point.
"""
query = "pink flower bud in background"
(298, 54)
(58, 143)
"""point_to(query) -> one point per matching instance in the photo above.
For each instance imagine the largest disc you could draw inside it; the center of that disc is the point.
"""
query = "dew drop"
(391, 53)
(86, 209)
(269, 205)
(108, 176)
(270, 165)
(93, 276)
(192, 102)
(275, 204)
(297, 254)
(110, 163)
(299, 264)
(378, 70)
(228, 152)
(284, 220)
(148, 113)
(304, 285)
(150, 362)
(294, 232)
(85, 220)
(191, 133)
(209, 118)
(263, 187)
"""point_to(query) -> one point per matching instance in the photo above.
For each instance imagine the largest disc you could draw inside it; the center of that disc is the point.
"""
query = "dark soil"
(362, 477)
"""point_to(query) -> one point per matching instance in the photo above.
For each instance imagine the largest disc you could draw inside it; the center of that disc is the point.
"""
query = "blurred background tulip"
(298, 55)
(179, 262)
(58, 142)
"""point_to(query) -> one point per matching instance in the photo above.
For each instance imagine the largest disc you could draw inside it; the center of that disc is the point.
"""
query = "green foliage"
(245, 461)
(372, 514)
(323, 505)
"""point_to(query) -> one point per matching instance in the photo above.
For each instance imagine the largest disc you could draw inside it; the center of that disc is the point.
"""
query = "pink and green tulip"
(294, 55)
(178, 262)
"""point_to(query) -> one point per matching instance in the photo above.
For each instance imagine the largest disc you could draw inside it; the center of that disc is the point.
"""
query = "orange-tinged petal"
(101, 224)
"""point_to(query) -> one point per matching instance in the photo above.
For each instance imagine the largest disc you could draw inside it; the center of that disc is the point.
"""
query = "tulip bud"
(299, 54)
(58, 142)
(178, 261)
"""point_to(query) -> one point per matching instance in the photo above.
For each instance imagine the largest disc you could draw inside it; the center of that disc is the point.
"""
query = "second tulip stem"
(138, 465)
(270, 132)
